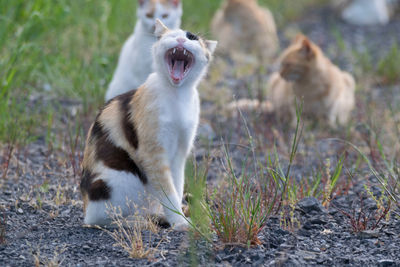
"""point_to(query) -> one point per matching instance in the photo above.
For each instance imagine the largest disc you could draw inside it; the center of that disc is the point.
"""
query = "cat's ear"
(175, 2)
(141, 2)
(211, 45)
(160, 28)
(307, 49)
(299, 38)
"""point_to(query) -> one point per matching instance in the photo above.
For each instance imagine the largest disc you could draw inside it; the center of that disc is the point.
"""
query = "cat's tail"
(249, 105)
(349, 81)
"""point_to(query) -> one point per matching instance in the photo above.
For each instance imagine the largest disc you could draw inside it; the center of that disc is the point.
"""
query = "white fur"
(122, 196)
(135, 61)
(178, 109)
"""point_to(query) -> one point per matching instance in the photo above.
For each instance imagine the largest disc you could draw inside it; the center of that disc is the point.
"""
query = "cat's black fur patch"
(192, 36)
(86, 180)
(99, 190)
(112, 156)
(160, 221)
(127, 125)
(117, 158)
(96, 129)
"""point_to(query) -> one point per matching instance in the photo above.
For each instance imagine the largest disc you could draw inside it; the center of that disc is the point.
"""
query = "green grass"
(71, 48)
(389, 66)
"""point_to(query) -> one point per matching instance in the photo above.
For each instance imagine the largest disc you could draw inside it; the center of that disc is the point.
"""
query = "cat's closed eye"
(150, 15)
(164, 16)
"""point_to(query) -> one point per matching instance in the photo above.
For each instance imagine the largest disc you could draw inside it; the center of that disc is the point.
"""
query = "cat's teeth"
(174, 51)
(184, 52)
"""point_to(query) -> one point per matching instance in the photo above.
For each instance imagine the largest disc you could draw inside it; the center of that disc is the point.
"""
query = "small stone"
(281, 232)
(386, 262)
(229, 257)
(308, 226)
(255, 257)
(327, 232)
(317, 221)
(368, 234)
(20, 211)
(218, 258)
(309, 204)
(304, 232)
(65, 213)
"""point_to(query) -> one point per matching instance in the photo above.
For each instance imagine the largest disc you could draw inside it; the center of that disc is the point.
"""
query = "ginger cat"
(242, 25)
(134, 64)
(137, 147)
(305, 73)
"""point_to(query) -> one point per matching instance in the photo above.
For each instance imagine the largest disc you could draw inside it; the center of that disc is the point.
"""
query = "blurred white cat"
(135, 60)
(364, 12)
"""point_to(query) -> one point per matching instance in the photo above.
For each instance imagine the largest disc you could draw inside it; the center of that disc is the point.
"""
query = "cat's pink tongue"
(178, 70)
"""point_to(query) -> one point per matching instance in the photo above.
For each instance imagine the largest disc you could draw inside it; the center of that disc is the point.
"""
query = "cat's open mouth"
(179, 62)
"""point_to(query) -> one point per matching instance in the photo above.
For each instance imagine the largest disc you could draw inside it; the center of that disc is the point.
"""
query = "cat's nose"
(181, 40)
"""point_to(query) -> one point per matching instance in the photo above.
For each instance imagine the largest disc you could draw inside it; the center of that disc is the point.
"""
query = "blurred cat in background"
(307, 74)
(244, 26)
(365, 12)
(135, 60)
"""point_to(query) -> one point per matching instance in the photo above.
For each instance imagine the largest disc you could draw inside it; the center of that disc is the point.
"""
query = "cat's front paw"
(181, 227)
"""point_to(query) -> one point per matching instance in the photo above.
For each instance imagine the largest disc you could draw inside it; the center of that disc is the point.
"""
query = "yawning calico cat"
(137, 147)
(135, 62)
(242, 25)
(305, 73)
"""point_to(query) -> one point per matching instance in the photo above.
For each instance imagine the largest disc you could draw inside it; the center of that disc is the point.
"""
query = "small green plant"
(196, 192)
(361, 221)
(55, 261)
(384, 168)
(330, 184)
(288, 186)
(389, 67)
(196, 188)
(382, 202)
(41, 193)
(128, 233)
(238, 210)
(288, 219)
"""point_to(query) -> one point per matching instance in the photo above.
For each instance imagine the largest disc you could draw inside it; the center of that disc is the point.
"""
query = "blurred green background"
(69, 49)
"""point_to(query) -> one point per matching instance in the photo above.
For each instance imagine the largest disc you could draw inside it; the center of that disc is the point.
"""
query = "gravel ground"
(40, 222)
